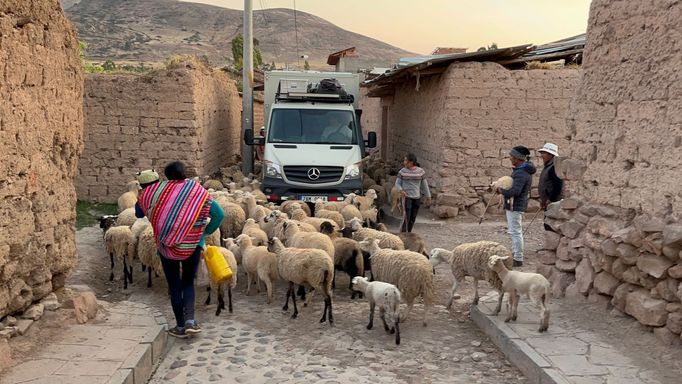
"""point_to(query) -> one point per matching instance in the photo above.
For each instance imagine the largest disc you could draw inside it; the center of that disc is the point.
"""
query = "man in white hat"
(550, 184)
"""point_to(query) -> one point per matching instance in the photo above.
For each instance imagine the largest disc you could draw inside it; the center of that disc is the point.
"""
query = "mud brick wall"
(41, 127)
(136, 122)
(371, 116)
(618, 241)
(461, 124)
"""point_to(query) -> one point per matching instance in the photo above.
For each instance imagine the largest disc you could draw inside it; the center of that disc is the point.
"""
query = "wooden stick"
(531, 221)
(486, 208)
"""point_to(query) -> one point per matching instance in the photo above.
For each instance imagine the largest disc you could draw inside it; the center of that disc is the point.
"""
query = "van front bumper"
(278, 190)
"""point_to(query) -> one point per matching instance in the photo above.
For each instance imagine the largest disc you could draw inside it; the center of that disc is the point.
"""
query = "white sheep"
(126, 217)
(366, 202)
(234, 248)
(471, 259)
(129, 198)
(147, 253)
(370, 216)
(299, 214)
(286, 206)
(387, 297)
(295, 237)
(230, 284)
(384, 239)
(252, 229)
(411, 272)
(305, 266)
(411, 240)
(517, 283)
(258, 263)
(120, 245)
(213, 184)
(339, 205)
(234, 219)
(335, 216)
(350, 211)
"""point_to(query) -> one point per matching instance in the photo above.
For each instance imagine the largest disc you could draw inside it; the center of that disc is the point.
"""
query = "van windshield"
(312, 126)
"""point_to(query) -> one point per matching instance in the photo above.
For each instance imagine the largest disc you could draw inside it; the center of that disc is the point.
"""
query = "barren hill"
(153, 30)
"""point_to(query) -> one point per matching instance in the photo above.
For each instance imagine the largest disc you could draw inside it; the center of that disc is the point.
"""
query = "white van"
(313, 139)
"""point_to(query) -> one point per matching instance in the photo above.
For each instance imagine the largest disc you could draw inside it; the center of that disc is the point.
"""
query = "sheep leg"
(248, 284)
(310, 298)
(397, 331)
(111, 276)
(452, 294)
(382, 315)
(229, 298)
(125, 275)
(293, 300)
(331, 317)
(371, 315)
(515, 307)
(324, 311)
(221, 301)
(509, 306)
(289, 291)
(497, 310)
(208, 299)
(406, 313)
(301, 294)
(149, 277)
(130, 272)
(475, 302)
(257, 284)
(144, 268)
(268, 288)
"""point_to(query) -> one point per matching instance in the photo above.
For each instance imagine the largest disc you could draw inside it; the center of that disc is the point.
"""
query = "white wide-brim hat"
(550, 148)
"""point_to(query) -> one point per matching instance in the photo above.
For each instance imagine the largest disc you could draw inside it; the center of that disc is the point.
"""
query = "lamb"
(147, 253)
(396, 201)
(258, 263)
(348, 256)
(381, 194)
(409, 271)
(220, 288)
(106, 222)
(412, 241)
(336, 217)
(129, 198)
(305, 266)
(370, 216)
(517, 283)
(366, 202)
(471, 259)
(387, 297)
(126, 217)
(299, 214)
(119, 244)
(213, 238)
(252, 229)
(504, 182)
(234, 248)
(384, 239)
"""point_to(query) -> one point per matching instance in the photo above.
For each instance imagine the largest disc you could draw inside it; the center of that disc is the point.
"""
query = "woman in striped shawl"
(178, 210)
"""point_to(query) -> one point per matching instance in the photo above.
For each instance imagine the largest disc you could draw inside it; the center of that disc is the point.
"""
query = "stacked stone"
(600, 253)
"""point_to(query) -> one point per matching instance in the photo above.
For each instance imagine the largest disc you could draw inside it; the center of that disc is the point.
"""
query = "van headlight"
(273, 170)
(353, 171)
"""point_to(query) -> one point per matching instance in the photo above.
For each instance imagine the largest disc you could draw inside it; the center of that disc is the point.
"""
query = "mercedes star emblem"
(313, 173)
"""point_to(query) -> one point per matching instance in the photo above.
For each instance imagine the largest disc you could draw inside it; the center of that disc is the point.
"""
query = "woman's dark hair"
(411, 158)
(175, 171)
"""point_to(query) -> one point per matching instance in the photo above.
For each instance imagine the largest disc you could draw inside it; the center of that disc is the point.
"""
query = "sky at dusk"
(420, 26)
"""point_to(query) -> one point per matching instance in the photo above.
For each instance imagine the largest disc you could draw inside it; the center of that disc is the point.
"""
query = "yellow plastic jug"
(216, 265)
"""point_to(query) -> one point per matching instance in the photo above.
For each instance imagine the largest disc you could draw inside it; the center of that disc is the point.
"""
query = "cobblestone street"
(261, 343)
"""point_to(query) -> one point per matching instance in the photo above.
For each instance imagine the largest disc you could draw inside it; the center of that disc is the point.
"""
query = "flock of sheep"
(267, 243)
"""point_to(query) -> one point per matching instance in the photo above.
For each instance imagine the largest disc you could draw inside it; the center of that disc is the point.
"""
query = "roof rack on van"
(319, 97)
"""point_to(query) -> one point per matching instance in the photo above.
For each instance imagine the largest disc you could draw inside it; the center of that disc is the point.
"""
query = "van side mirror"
(248, 136)
(371, 139)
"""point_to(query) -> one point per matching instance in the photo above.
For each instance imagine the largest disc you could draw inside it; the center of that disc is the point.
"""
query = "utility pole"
(247, 87)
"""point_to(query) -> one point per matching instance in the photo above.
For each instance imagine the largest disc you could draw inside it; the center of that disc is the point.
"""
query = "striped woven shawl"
(178, 211)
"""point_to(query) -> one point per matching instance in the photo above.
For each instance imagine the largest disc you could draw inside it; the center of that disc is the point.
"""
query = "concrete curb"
(140, 365)
(536, 368)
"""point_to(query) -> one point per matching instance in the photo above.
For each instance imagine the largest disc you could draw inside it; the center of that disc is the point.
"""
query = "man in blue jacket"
(516, 198)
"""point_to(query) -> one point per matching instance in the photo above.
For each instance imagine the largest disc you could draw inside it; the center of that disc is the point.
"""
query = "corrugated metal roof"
(511, 56)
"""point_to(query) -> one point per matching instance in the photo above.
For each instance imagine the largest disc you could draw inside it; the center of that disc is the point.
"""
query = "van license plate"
(312, 199)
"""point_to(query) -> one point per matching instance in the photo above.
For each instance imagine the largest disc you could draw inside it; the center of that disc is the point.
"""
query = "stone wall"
(136, 122)
(461, 124)
(41, 126)
(619, 240)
